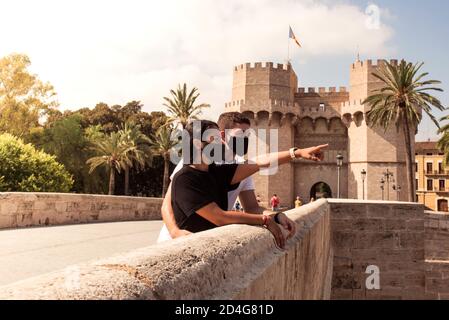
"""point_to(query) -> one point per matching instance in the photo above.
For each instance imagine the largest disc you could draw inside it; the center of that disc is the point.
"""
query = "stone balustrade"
(337, 244)
(48, 209)
(233, 262)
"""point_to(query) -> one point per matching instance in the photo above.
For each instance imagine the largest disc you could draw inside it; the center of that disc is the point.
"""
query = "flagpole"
(288, 52)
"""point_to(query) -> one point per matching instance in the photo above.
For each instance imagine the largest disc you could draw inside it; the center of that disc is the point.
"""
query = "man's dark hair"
(190, 134)
(229, 119)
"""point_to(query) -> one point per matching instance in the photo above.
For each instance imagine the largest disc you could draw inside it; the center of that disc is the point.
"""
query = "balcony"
(440, 190)
(437, 173)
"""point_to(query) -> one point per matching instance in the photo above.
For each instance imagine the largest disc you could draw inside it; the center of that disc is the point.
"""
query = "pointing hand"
(314, 154)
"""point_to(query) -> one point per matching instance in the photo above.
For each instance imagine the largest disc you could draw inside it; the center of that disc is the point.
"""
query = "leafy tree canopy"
(24, 99)
(25, 169)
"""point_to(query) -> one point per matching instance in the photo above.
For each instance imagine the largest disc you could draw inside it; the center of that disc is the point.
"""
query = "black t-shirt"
(193, 189)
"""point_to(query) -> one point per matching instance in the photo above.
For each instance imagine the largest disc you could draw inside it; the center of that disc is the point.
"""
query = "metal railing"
(437, 172)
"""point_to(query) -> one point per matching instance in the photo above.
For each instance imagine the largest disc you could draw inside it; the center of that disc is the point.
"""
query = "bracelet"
(276, 217)
(292, 153)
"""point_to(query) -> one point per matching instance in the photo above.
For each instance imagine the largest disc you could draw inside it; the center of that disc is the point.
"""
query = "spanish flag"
(291, 35)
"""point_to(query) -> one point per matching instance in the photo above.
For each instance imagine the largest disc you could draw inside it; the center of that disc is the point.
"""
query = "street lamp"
(382, 187)
(339, 165)
(398, 189)
(389, 177)
(363, 183)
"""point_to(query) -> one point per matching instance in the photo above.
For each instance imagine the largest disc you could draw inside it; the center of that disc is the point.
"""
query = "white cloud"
(117, 51)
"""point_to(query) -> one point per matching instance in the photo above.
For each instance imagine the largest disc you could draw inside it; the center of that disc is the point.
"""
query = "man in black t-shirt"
(199, 191)
(193, 189)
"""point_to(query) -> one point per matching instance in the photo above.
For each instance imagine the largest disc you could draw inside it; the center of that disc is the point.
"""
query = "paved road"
(30, 252)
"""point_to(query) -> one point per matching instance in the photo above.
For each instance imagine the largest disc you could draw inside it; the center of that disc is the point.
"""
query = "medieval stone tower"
(268, 94)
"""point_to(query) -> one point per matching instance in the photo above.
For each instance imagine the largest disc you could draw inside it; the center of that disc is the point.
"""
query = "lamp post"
(398, 190)
(339, 165)
(388, 176)
(382, 187)
(363, 183)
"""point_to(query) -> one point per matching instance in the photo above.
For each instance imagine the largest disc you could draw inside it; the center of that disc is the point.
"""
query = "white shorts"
(164, 235)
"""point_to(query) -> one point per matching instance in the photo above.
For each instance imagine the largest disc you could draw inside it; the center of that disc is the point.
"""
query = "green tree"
(93, 182)
(139, 151)
(113, 154)
(70, 143)
(181, 105)
(26, 169)
(24, 99)
(162, 144)
(443, 143)
(97, 124)
(2, 184)
(400, 100)
(94, 133)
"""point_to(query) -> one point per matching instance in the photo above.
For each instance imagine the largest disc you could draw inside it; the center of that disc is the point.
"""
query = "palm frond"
(181, 105)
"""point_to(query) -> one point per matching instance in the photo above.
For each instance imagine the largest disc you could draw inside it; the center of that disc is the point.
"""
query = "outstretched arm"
(262, 162)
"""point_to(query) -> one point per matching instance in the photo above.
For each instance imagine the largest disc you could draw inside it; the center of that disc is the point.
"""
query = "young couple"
(202, 194)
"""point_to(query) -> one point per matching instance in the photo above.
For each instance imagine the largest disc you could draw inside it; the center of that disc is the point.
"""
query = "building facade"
(432, 178)
(269, 95)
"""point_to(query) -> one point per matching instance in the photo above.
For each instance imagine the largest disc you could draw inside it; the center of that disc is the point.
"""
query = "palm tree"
(139, 154)
(400, 100)
(181, 106)
(113, 153)
(443, 143)
(162, 144)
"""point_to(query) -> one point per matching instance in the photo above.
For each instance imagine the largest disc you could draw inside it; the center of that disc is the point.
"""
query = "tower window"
(322, 107)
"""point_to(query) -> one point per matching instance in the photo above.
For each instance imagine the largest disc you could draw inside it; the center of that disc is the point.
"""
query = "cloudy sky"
(116, 51)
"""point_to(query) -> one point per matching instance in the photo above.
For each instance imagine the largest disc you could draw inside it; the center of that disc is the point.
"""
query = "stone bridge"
(337, 242)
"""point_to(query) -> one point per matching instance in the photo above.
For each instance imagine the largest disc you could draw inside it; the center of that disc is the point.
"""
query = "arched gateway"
(321, 190)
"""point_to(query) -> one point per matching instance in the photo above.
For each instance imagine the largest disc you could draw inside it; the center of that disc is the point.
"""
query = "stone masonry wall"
(336, 241)
(437, 255)
(233, 262)
(387, 235)
(44, 209)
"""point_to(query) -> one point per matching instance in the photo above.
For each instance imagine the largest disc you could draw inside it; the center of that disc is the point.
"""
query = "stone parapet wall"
(437, 255)
(45, 209)
(233, 262)
(387, 235)
(437, 236)
(337, 241)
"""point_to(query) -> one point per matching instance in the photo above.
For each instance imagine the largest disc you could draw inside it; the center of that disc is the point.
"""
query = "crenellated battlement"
(353, 103)
(253, 66)
(261, 103)
(371, 63)
(322, 90)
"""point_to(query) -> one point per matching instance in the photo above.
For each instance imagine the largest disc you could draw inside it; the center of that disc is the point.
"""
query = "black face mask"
(237, 143)
(212, 152)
